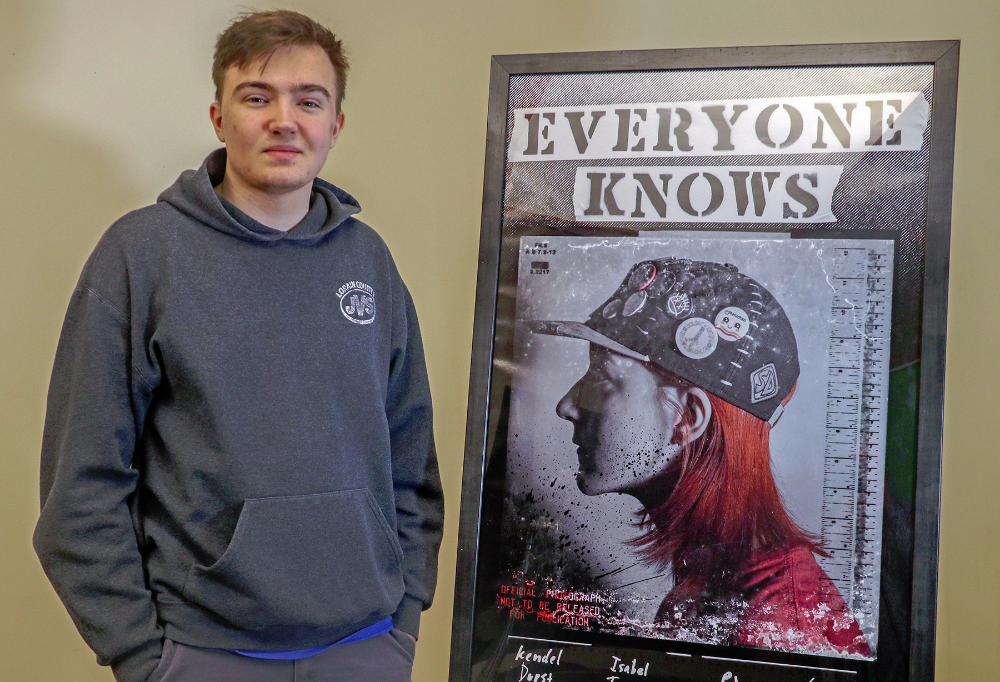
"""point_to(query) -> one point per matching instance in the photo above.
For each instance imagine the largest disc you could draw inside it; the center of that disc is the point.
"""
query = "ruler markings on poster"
(855, 422)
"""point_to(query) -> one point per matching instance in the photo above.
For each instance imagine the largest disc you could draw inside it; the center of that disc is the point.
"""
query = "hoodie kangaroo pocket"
(314, 561)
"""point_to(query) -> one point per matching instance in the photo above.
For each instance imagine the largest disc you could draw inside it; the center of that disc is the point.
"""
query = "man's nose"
(283, 121)
(567, 407)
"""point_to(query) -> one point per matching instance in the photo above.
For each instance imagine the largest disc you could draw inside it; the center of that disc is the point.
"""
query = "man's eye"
(256, 99)
(599, 392)
(311, 105)
(601, 381)
(604, 374)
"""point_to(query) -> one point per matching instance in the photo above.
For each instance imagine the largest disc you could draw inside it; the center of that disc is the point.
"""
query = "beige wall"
(102, 103)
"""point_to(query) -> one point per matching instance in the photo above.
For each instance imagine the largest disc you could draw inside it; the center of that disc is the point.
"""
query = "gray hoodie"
(238, 448)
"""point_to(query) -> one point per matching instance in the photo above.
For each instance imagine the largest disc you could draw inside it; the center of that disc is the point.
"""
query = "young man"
(238, 475)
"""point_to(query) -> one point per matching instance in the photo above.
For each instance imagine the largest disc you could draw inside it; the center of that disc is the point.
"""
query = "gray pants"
(386, 658)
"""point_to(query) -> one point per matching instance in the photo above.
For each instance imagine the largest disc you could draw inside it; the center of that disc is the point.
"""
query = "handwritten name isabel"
(623, 668)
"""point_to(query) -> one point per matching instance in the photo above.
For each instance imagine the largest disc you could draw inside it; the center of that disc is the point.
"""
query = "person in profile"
(691, 366)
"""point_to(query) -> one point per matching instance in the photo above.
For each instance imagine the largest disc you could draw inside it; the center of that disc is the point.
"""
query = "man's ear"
(338, 127)
(696, 400)
(215, 113)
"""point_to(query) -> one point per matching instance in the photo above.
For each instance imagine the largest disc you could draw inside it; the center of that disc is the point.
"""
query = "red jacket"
(788, 603)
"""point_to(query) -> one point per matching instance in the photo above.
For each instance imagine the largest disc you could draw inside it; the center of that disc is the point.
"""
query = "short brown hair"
(255, 35)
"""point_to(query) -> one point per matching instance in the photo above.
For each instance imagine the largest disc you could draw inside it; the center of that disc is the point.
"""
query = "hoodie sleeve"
(85, 536)
(416, 482)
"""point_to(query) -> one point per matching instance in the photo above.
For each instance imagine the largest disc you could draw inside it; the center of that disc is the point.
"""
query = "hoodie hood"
(193, 193)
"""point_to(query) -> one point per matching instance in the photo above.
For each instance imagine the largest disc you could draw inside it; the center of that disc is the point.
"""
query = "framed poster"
(704, 434)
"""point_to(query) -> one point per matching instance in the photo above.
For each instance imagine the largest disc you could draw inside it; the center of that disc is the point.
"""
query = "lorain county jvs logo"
(357, 302)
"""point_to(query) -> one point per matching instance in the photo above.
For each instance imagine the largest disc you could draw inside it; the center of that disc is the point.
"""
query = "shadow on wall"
(58, 193)
(61, 190)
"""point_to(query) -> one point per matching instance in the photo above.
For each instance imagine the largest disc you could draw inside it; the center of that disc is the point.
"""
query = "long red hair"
(721, 504)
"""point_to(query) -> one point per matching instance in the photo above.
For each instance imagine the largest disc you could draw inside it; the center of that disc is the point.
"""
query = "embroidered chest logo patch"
(357, 302)
(763, 383)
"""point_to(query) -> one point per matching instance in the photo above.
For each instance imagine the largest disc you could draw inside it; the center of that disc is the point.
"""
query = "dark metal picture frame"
(909, 564)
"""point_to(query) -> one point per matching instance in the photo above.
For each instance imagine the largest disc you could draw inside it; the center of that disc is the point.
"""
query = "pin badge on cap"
(679, 305)
(696, 338)
(732, 323)
(634, 303)
(642, 276)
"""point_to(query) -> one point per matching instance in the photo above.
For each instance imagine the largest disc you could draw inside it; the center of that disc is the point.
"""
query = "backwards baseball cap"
(704, 322)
